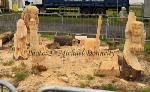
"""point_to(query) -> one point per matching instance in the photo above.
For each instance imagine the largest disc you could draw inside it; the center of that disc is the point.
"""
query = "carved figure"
(135, 35)
(34, 38)
(30, 12)
(94, 43)
(134, 44)
(20, 40)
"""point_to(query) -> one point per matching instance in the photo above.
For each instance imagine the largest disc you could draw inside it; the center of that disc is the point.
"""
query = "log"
(6, 37)
(64, 40)
(127, 72)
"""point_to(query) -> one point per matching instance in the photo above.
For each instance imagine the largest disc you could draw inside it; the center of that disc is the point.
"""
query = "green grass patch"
(8, 63)
(147, 51)
(49, 37)
(71, 19)
(146, 90)
(109, 87)
(147, 47)
(21, 75)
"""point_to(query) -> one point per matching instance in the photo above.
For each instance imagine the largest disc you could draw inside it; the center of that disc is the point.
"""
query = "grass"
(109, 87)
(8, 63)
(21, 67)
(146, 90)
(21, 75)
(58, 19)
(84, 83)
(147, 47)
(98, 74)
(85, 80)
(147, 51)
(49, 37)
(87, 77)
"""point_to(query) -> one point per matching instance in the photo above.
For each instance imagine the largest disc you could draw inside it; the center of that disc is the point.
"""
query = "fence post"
(107, 26)
(62, 19)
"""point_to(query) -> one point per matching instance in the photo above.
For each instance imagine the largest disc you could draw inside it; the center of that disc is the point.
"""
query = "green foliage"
(8, 63)
(21, 75)
(147, 51)
(109, 87)
(147, 48)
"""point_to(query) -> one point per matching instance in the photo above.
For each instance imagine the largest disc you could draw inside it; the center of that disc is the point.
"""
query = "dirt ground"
(66, 71)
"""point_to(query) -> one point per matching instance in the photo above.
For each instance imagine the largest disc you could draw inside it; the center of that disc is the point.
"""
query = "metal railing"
(6, 85)
(68, 89)
(112, 27)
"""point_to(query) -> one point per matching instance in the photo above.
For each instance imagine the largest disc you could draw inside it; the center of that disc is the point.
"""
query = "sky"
(136, 1)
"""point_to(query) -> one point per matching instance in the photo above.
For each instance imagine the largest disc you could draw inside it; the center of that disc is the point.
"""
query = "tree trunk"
(127, 72)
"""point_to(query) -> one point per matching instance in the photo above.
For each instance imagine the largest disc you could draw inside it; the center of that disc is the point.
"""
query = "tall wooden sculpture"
(20, 40)
(27, 32)
(94, 43)
(134, 45)
(29, 14)
(34, 41)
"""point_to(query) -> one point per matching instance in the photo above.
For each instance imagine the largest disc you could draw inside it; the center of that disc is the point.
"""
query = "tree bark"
(127, 72)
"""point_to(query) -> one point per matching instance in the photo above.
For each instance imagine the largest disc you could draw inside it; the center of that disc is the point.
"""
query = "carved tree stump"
(127, 72)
